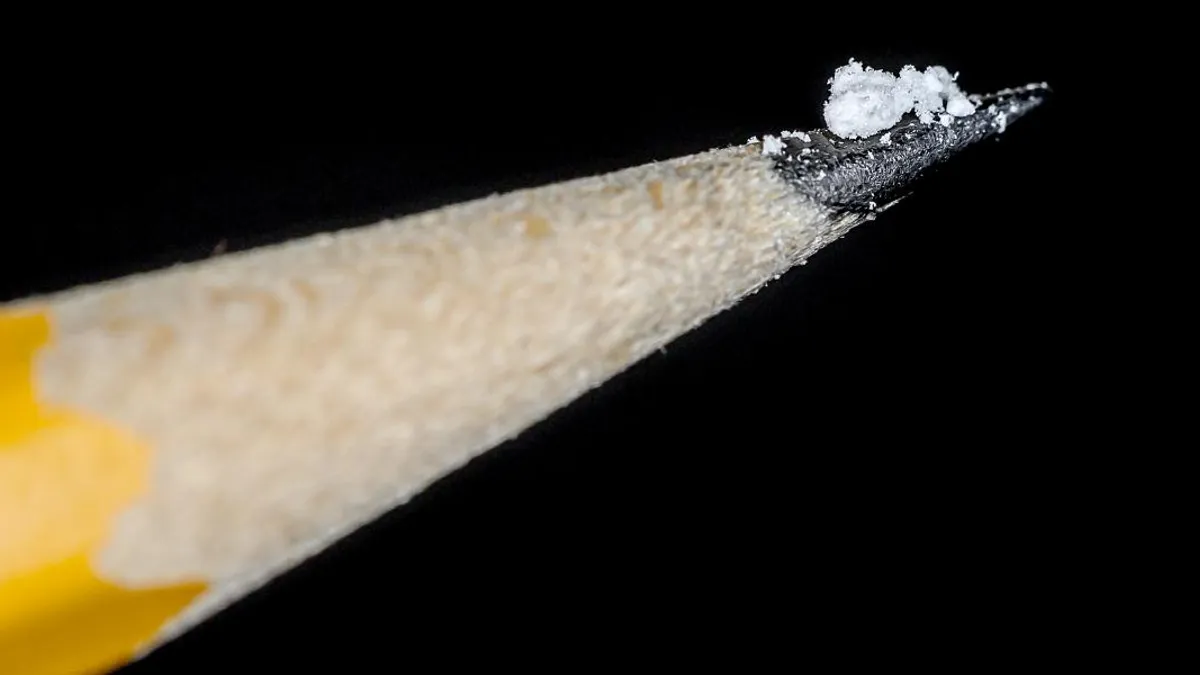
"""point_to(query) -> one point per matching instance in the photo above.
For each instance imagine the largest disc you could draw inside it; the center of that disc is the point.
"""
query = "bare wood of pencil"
(293, 393)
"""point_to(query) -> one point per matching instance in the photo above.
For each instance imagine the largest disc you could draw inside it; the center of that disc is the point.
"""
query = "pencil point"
(850, 175)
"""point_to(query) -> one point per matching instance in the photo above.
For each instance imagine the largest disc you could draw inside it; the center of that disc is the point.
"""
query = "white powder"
(959, 106)
(864, 101)
(772, 145)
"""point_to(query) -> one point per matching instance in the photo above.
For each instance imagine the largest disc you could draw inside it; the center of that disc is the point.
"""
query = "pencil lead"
(861, 174)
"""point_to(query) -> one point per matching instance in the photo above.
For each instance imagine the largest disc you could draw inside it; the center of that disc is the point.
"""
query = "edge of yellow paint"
(64, 476)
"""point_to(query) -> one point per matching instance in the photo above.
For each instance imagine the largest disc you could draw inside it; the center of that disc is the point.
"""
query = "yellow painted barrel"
(63, 475)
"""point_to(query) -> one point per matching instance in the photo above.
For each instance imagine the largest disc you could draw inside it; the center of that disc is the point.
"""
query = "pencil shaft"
(292, 393)
(171, 440)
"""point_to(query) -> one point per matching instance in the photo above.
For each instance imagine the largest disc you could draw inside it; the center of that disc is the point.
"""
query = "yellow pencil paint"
(63, 476)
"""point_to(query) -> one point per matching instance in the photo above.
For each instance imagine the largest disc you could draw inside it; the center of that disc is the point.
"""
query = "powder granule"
(772, 145)
(864, 101)
(960, 107)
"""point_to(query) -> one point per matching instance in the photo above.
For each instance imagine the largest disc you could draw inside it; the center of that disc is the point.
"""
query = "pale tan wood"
(294, 392)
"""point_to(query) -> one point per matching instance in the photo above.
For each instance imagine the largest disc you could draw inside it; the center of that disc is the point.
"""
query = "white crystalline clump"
(864, 101)
(796, 134)
(772, 145)
(960, 106)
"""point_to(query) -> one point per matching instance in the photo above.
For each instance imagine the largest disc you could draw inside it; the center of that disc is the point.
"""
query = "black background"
(871, 458)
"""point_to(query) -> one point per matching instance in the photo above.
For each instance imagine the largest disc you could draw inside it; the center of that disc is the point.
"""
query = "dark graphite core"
(866, 174)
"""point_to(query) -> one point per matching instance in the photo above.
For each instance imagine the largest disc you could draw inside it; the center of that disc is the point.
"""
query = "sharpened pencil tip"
(857, 175)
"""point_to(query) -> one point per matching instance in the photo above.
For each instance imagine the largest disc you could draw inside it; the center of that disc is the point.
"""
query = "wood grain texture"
(295, 392)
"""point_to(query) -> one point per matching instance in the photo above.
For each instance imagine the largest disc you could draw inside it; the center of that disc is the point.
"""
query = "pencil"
(172, 440)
